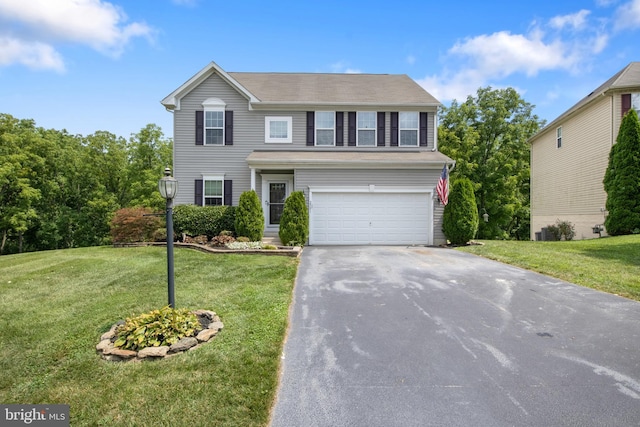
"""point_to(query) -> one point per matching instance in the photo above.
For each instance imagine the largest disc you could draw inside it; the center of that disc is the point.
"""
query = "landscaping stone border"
(209, 321)
(292, 251)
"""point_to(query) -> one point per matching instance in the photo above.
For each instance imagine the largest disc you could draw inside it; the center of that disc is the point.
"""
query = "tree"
(294, 222)
(487, 137)
(249, 220)
(460, 217)
(622, 179)
(149, 154)
(18, 195)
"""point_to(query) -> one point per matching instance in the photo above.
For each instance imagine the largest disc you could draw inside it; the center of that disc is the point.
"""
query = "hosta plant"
(165, 326)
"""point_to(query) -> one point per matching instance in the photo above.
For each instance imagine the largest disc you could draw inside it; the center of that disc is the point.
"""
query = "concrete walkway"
(392, 336)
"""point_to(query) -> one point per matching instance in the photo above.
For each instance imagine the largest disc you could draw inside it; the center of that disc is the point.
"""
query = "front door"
(275, 190)
(277, 196)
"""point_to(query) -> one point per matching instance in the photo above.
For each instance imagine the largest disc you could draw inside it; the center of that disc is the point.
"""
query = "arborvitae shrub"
(622, 179)
(203, 220)
(460, 219)
(249, 218)
(131, 225)
(294, 222)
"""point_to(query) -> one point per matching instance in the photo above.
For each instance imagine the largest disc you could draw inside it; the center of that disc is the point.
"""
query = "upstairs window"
(278, 129)
(635, 101)
(366, 129)
(325, 128)
(559, 137)
(409, 128)
(214, 121)
(214, 127)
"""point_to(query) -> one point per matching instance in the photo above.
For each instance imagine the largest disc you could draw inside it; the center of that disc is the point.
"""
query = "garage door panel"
(370, 218)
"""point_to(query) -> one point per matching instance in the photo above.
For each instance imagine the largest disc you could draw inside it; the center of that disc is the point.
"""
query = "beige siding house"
(361, 147)
(569, 156)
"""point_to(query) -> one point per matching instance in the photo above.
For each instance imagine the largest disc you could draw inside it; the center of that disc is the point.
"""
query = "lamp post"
(168, 187)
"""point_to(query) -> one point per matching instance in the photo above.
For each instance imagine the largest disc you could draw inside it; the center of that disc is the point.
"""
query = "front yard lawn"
(610, 264)
(55, 305)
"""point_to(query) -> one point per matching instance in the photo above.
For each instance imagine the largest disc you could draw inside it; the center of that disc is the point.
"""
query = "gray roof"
(321, 88)
(349, 159)
(627, 78)
(291, 89)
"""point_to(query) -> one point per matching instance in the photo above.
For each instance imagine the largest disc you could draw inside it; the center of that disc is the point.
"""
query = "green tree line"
(59, 190)
(487, 135)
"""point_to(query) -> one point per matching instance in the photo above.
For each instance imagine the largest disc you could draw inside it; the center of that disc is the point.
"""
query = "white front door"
(275, 190)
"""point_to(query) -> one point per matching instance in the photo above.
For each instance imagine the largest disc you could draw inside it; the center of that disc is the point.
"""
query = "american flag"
(443, 186)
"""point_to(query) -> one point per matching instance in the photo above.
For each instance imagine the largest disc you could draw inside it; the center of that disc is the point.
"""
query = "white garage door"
(370, 218)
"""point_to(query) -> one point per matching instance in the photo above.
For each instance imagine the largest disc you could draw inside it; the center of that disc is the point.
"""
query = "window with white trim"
(366, 129)
(325, 128)
(409, 128)
(213, 190)
(635, 101)
(214, 127)
(559, 137)
(214, 121)
(278, 129)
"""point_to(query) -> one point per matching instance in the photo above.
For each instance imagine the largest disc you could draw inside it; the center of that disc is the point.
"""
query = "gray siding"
(394, 178)
(191, 161)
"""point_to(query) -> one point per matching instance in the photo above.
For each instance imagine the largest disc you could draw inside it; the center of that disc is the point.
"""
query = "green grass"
(609, 264)
(55, 305)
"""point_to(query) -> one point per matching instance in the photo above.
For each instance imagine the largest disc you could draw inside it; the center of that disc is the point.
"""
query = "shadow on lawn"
(628, 253)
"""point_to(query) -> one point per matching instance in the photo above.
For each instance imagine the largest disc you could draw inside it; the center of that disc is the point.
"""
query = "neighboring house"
(570, 155)
(362, 148)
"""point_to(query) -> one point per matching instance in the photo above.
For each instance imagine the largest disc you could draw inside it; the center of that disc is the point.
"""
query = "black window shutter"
(339, 129)
(198, 197)
(394, 129)
(352, 128)
(228, 192)
(423, 129)
(199, 127)
(380, 129)
(228, 128)
(626, 103)
(311, 128)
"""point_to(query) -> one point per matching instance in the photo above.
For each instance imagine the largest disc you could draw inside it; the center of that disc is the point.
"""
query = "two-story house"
(362, 148)
(570, 155)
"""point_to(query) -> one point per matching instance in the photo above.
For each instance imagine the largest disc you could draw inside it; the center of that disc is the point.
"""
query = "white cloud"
(343, 67)
(190, 3)
(564, 43)
(576, 21)
(34, 55)
(628, 16)
(501, 54)
(95, 23)
(411, 59)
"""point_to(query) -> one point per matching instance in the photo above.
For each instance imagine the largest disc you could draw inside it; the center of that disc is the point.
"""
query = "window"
(213, 193)
(325, 128)
(366, 129)
(277, 129)
(559, 137)
(214, 127)
(409, 127)
(635, 102)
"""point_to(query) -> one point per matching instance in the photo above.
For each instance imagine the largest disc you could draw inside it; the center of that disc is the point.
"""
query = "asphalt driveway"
(395, 336)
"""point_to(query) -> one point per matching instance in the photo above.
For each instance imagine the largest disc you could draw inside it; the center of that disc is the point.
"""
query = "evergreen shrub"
(209, 221)
(249, 218)
(294, 222)
(460, 219)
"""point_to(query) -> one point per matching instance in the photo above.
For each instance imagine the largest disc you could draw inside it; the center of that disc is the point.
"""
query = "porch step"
(271, 239)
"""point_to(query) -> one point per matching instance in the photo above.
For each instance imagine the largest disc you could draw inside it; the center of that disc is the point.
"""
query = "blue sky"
(89, 65)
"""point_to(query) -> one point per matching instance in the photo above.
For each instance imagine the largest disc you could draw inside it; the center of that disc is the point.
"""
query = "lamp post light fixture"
(485, 216)
(168, 187)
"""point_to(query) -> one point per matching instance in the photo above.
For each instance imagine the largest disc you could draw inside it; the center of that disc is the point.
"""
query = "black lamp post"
(168, 187)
